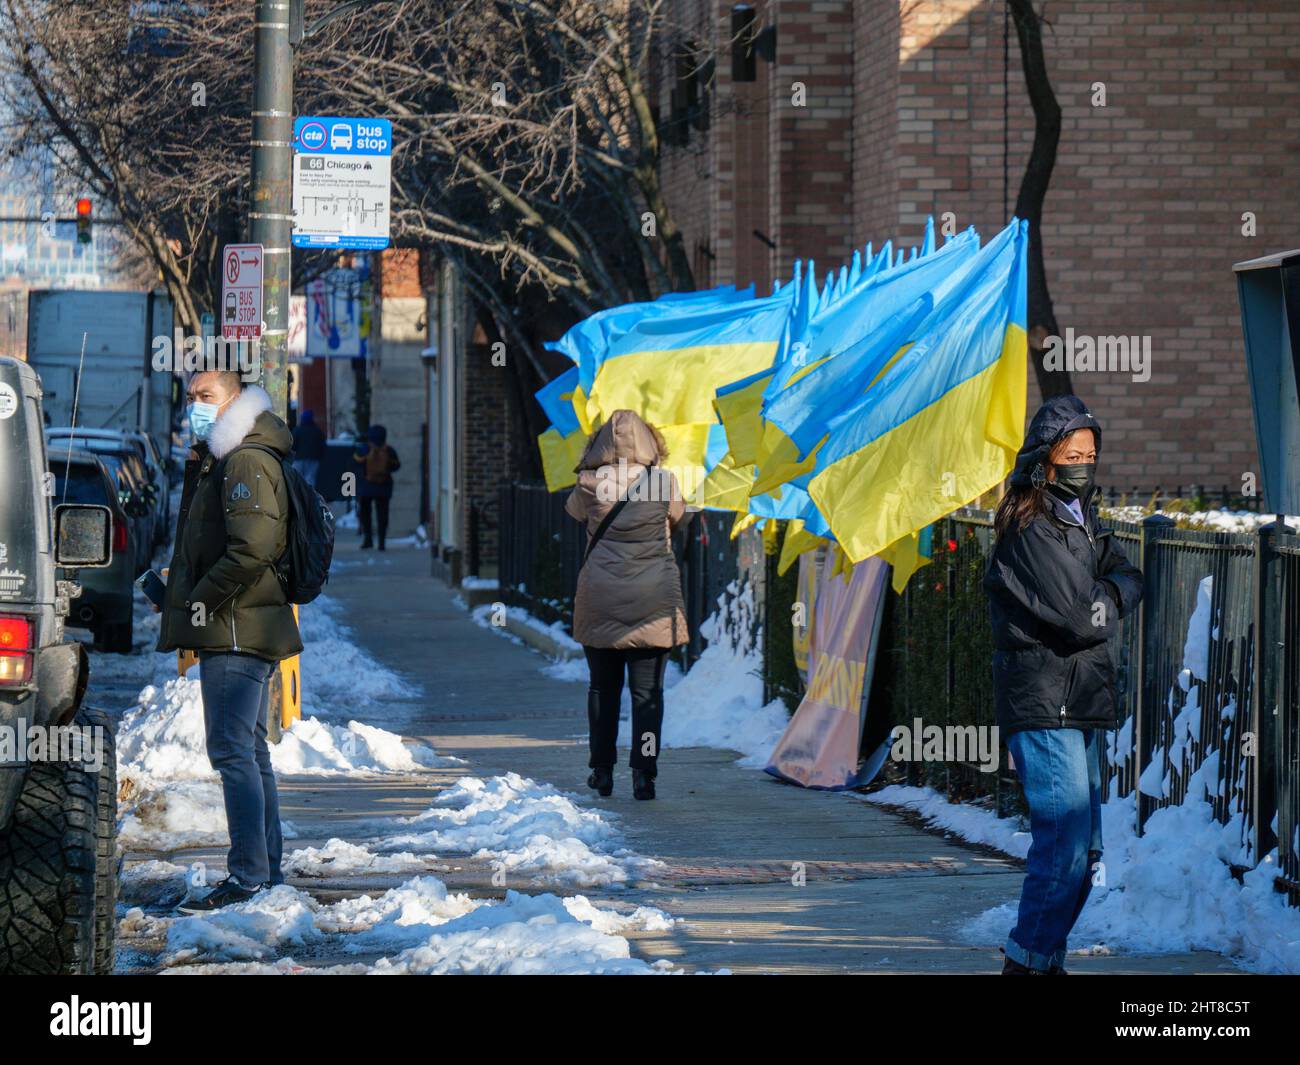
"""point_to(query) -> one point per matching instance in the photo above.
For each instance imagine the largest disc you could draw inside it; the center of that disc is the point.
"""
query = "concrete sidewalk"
(881, 895)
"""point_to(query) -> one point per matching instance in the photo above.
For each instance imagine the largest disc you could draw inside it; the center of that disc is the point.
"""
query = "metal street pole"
(271, 202)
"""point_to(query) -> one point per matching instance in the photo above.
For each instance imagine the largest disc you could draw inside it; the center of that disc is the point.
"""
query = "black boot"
(602, 780)
(366, 544)
(643, 785)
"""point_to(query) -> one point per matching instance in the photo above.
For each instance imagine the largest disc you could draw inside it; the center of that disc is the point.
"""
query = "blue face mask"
(202, 416)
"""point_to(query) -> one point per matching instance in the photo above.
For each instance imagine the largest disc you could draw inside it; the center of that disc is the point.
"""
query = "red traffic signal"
(83, 220)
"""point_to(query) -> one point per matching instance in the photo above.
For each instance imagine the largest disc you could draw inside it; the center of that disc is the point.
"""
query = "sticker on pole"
(341, 177)
(241, 292)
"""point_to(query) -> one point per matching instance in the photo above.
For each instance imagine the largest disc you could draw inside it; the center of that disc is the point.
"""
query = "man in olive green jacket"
(225, 600)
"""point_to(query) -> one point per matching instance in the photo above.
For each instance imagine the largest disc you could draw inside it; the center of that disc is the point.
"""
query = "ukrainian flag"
(849, 345)
(561, 445)
(669, 367)
(943, 425)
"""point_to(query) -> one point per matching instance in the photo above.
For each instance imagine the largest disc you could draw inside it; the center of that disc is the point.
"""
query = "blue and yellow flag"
(943, 425)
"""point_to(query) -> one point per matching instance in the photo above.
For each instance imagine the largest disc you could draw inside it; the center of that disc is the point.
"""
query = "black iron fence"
(1209, 676)
(541, 548)
(1209, 666)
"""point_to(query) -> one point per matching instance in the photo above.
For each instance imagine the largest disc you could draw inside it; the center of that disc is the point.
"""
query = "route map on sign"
(241, 292)
(341, 180)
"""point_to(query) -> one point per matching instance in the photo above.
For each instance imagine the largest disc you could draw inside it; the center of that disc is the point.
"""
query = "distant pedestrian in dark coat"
(308, 447)
(378, 463)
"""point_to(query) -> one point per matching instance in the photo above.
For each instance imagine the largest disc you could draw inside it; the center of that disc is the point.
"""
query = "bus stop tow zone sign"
(241, 292)
(341, 178)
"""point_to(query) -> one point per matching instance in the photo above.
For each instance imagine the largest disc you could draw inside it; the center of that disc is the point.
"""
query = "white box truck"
(119, 389)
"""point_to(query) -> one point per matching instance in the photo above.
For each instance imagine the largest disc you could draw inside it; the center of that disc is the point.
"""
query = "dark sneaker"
(227, 893)
(1014, 968)
(643, 785)
(602, 780)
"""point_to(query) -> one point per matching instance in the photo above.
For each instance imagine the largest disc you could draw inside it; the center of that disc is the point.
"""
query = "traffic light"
(83, 220)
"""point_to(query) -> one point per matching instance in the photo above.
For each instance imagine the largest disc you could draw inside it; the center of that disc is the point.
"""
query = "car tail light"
(119, 535)
(15, 650)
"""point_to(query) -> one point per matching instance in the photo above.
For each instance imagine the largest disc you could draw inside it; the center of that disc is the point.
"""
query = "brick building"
(862, 119)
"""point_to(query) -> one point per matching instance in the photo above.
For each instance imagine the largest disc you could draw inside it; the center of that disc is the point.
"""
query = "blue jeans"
(1060, 769)
(236, 692)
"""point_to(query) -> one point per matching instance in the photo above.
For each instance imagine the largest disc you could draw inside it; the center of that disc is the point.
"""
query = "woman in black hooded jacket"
(1058, 585)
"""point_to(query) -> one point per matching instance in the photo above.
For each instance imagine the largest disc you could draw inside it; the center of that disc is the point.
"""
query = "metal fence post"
(1145, 701)
(1264, 690)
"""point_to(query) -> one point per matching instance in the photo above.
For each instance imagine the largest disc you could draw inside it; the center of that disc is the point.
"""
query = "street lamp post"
(270, 209)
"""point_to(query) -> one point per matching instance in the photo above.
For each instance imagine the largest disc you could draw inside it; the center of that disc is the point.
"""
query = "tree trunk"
(1033, 190)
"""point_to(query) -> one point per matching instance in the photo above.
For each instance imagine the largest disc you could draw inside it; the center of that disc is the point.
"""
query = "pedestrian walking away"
(375, 485)
(628, 610)
(308, 447)
(1058, 586)
(225, 600)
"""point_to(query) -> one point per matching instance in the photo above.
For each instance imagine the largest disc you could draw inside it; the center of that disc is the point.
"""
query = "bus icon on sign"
(341, 136)
(312, 136)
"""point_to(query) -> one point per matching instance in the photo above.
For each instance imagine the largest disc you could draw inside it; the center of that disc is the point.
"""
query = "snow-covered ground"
(171, 801)
(418, 927)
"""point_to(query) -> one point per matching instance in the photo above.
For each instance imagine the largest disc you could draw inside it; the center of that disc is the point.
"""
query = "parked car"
(105, 605)
(153, 465)
(58, 856)
(125, 471)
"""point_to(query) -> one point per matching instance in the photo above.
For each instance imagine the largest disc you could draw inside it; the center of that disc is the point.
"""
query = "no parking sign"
(241, 292)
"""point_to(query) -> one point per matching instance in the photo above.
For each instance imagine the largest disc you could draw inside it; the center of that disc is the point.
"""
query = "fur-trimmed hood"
(249, 419)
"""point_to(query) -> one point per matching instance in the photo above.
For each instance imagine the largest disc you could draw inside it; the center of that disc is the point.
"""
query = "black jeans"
(644, 667)
(381, 510)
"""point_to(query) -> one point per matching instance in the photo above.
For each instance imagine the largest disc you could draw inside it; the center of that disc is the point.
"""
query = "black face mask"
(1074, 482)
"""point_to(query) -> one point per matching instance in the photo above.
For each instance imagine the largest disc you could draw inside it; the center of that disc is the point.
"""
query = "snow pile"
(969, 822)
(171, 796)
(1166, 891)
(311, 746)
(479, 583)
(493, 616)
(419, 928)
(719, 702)
(341, 858)
(174, 816)
(525, 828)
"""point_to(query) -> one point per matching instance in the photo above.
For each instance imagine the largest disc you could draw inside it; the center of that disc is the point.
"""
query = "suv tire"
(59, 867)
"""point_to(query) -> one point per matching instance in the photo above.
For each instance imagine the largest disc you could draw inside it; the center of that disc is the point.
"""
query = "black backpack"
(304, 567)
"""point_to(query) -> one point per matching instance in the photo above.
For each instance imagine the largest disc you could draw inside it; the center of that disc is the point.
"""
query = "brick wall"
(488, 425)
(908, 116)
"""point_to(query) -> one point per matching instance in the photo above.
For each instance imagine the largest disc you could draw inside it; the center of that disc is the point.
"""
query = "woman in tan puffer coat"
(628, 611)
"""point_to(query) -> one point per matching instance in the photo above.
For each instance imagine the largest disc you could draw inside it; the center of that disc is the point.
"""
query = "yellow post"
(286, 690)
